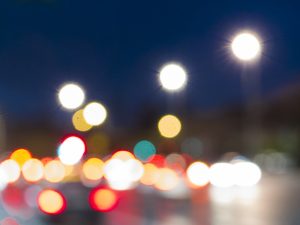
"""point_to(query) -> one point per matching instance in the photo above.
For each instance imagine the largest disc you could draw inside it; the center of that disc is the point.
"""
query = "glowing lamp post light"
(173, 77)
(246, 46)
(71, 96)
(94, 113)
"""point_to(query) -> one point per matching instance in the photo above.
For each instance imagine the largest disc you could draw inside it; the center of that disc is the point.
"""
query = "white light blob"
(71, 96)
(71, 150)
(173, 77)
(122, 175)
(94, 113)
(3, 179)
(222, 175)
(246, 174)
(246, 46)
(11, 169)
(198, 174)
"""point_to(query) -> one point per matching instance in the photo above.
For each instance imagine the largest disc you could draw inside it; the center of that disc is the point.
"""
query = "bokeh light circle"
(167, 180)
(144, 150)
(151, 174)
(94, 113)
(173, 77)
(12, 170)
(102, 199)
(222, 175)
(33, 170)
(20, 156)
(51, 202)
(169, 126)
(246, 46)
(71, 150)
(54, 171)
(71, 96)
(246, 173)
(79, 122)
(92, 169)
(198, 174)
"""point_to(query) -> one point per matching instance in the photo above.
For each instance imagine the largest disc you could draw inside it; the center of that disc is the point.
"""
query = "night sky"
(115, 49)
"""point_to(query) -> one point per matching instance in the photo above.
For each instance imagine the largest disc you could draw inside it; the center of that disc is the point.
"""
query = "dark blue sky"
(115, 48)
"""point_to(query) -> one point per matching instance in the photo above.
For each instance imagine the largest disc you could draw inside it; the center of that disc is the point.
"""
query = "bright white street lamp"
(94, 113)
(71, 96)
(173, 77)
(246, 46)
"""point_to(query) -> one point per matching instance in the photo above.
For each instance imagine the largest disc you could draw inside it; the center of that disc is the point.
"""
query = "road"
(274, 201)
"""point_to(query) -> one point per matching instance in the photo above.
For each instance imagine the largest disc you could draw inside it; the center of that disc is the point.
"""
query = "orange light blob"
(151, 174)
(167, 180)
(123, 155)
(93, 169)
(21, 156)
(79, 122)
(45, 160)
(51, 202)
(102, 199)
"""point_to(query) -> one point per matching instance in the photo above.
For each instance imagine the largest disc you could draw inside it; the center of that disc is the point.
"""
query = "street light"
(246, 46)
(71, 96)
(94, 113)
(173, 77)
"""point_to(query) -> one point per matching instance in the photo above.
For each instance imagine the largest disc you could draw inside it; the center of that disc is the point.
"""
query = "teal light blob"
(144, 150)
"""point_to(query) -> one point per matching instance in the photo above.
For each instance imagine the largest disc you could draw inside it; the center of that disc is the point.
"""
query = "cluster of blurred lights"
(240, 173)
(71, 96)
(122, 171)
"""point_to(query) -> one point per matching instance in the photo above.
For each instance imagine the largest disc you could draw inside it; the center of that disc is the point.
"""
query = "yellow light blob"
(123, 155)
(79, 122)
(21, 156)
(151, 174)
(12, 169)
(54, 171)
(167, 180)
(51, 202)
(33, 170)
(103, 199)
(93, 169)
(169, 126)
